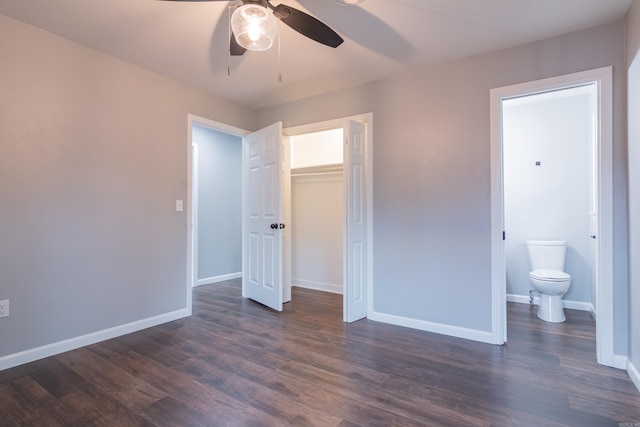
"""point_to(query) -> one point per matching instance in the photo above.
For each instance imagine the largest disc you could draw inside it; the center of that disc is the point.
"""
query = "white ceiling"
(189, 41)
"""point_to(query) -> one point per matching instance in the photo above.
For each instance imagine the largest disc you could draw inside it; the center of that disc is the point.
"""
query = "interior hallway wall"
(219, 204)
(431, 175)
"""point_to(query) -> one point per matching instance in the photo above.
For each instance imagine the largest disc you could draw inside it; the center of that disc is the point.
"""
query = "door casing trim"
(602, 78)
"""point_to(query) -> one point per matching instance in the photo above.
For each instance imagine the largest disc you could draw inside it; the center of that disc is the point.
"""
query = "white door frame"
(191, 204)
(341, 123)
(602, 78)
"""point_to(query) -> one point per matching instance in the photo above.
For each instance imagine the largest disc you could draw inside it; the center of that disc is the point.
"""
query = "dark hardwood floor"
(236, 363)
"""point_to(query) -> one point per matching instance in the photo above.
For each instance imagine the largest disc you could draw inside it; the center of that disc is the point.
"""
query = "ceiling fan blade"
(307, 25)
(234, 48)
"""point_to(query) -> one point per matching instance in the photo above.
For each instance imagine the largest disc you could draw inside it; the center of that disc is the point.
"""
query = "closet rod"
(316, 173)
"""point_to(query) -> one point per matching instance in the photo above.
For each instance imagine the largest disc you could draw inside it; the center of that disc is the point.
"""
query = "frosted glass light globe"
(254, 27)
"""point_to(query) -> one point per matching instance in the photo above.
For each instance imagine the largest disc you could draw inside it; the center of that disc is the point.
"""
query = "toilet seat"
(550, 275)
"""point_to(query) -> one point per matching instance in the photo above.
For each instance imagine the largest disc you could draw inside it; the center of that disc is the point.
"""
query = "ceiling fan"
(254, 25)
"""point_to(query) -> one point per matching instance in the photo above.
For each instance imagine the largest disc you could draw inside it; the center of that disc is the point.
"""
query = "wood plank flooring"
(236, 363)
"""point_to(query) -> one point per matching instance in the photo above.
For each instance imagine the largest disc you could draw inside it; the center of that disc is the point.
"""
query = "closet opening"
(316, 188)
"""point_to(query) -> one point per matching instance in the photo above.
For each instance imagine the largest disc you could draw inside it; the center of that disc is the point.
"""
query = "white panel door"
(262, 241)
(286, 215)
(355, 242)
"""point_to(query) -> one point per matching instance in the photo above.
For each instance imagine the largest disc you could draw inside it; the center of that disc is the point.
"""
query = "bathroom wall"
(552, 200)
(219, 211)
(317, 212)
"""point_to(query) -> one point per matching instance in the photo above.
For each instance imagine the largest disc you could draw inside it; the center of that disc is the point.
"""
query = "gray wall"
(633, 67)
(93, 156)
(551, 201)
(431, 197)
(219, 203)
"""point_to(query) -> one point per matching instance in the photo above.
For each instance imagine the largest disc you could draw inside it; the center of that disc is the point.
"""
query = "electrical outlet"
(4, 308)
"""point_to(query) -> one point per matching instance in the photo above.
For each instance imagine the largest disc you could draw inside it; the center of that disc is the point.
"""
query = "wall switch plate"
(179, 206)
(4, 308)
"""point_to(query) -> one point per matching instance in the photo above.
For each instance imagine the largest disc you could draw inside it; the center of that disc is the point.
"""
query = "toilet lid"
(550, 275)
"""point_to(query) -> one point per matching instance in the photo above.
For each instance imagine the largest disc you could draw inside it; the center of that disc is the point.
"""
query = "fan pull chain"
(279, 61)
(229, 44)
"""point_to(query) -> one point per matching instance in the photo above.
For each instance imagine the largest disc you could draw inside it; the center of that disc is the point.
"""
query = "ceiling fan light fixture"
(254, 27)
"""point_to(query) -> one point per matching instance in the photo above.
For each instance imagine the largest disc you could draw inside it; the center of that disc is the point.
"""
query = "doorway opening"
(216, 205)
(317, 211)
(198, 124)
(549, 187)
(357, 221)
(357, 207)
(597, 215)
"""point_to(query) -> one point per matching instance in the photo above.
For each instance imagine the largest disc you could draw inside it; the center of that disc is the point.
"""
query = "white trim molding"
(633, 374)
(16, 359)
(438, 328)
(572, 305)
(217, 279)
(317, 286)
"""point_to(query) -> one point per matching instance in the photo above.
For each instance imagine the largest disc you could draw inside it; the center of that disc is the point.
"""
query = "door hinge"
(504, 235)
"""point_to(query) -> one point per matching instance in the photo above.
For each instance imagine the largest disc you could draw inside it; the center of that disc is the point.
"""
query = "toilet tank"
(547, 254)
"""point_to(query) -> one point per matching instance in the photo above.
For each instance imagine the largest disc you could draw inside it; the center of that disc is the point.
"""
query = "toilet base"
(550, 308)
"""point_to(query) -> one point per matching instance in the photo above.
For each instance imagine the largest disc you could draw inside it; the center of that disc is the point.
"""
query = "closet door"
(355, 242)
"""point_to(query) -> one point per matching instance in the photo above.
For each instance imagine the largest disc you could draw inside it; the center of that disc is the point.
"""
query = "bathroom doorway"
(543, 165)
(548, 145)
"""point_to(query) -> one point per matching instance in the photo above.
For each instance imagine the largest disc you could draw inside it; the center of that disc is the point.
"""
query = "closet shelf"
(318, 170)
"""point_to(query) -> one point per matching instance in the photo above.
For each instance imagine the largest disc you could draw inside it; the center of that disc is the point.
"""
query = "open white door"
(286, 215)
(355, 240)
(262, 221)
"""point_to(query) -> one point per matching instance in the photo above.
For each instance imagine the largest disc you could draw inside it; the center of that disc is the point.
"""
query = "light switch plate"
(179, 206)
(4, 308)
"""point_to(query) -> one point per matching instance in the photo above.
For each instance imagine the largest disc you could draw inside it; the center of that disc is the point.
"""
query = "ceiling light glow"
(254, 27)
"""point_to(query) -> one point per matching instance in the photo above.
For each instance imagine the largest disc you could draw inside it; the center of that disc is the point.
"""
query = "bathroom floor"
(524, 316)
(236, 363)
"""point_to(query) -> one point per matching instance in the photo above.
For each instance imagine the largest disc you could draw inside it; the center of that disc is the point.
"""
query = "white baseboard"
(633, 374)
(438, 328)
(11, 360)
(619, 362)
(574, 305)
(520, 299)
(317, 286)
(216, 279)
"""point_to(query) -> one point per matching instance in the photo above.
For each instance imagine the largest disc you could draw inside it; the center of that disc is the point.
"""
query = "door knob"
(274, 226)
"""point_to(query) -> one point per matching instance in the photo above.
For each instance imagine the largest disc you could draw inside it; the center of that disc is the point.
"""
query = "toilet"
(547, 258)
